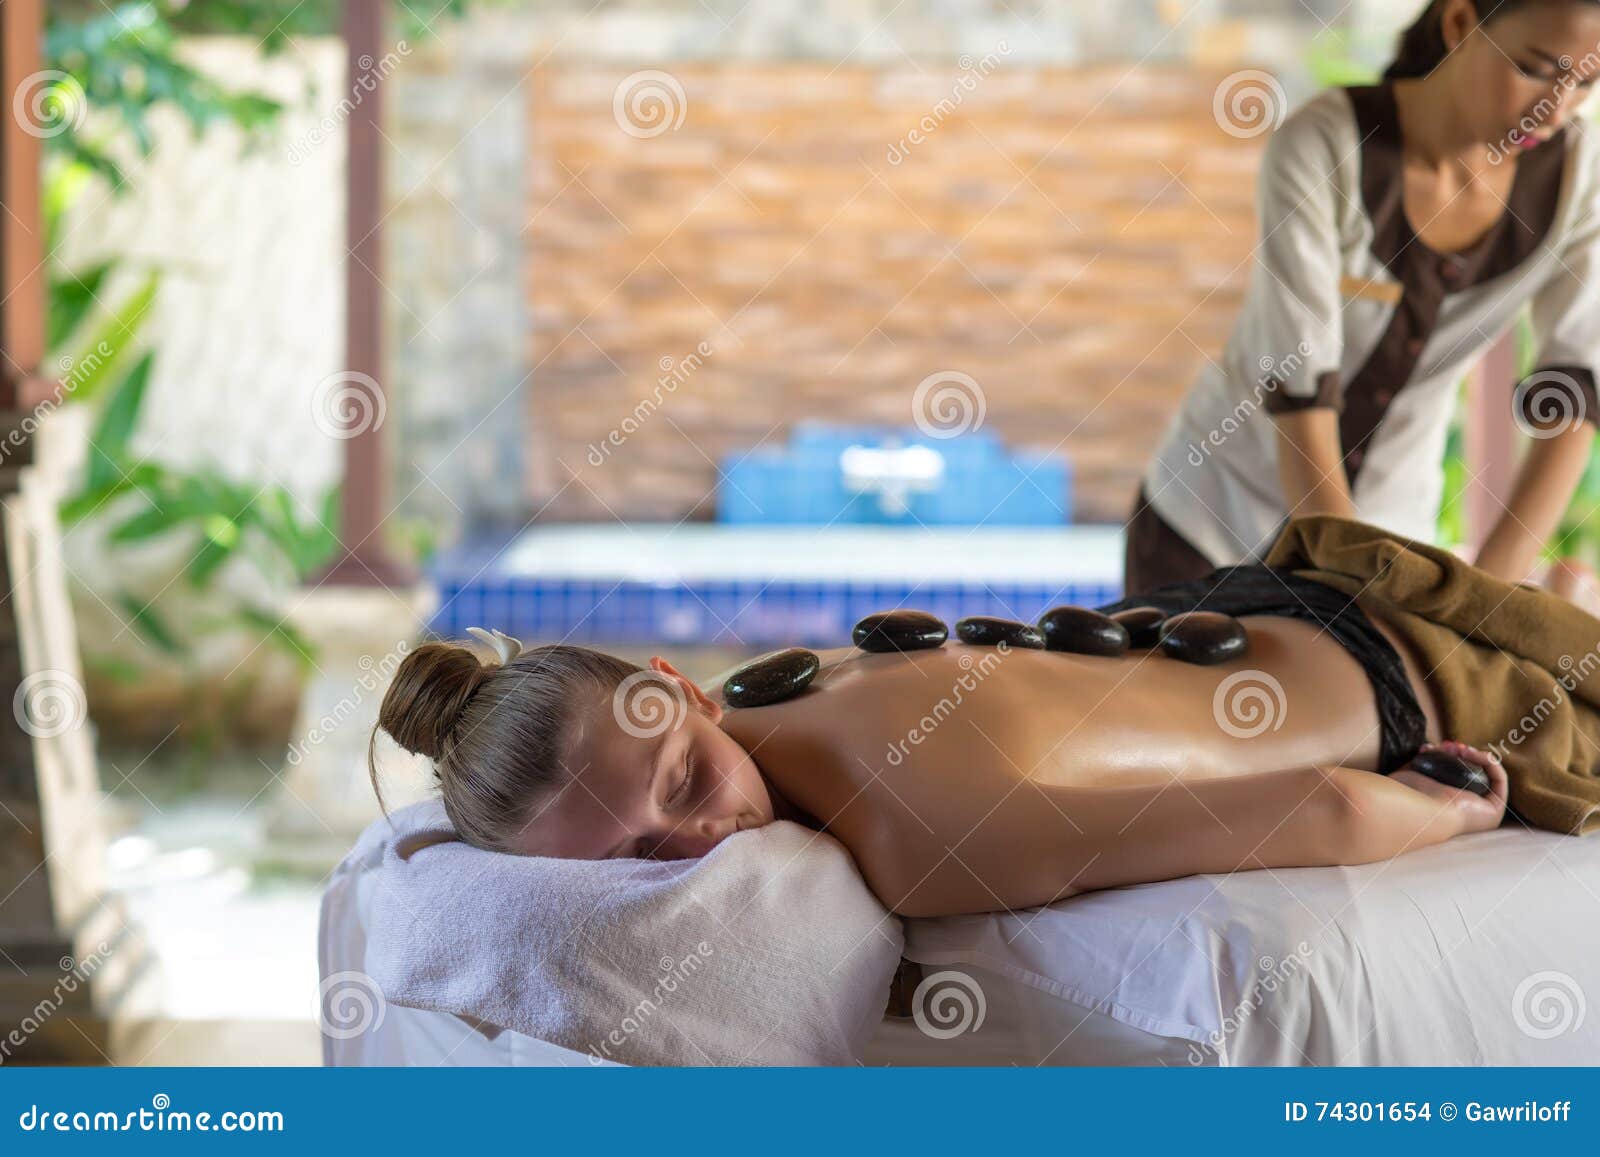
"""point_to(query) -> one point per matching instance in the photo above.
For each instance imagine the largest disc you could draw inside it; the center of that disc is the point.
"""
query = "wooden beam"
(364, 558)
(67, 950)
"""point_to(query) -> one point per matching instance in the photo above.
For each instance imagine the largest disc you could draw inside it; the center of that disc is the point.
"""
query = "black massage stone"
(1451, 771)
(1143, 625)
(1203, 637)
(1083, 632)
(900, 631)
(771, 678)
(983, 631)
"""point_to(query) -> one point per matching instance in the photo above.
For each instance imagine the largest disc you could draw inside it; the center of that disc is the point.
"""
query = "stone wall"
(1073, 241)
(1070, 235)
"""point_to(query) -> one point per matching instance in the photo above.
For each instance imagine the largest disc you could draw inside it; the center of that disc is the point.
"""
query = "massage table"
(1482, 950)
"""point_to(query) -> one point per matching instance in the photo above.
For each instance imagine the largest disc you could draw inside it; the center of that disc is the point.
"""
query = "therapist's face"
(651, 775)
(1524, 74)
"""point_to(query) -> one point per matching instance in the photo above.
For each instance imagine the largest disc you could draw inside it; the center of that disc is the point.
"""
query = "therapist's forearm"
(1543, 490)
(1310, 466)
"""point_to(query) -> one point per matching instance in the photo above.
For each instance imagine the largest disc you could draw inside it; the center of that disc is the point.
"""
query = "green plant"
(123, 62)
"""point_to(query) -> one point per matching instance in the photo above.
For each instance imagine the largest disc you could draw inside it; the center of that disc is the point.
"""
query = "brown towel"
(1514, 669)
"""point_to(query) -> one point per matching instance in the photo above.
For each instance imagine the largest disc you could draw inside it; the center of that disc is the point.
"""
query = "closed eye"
(682, 790)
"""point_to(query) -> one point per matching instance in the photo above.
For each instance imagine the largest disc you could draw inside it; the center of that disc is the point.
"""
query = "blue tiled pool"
(761, 586)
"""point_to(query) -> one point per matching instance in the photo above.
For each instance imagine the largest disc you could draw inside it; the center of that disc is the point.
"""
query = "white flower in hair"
(504, 646)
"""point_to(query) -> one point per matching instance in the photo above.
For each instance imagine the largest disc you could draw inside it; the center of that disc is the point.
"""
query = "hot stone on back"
(771, 678)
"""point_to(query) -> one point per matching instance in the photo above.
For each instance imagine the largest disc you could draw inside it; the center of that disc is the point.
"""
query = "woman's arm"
(1080, 839)
(1550, 473)
(1310, 469)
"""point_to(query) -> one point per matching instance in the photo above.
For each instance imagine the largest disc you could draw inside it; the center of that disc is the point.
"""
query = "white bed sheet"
(1484, 950)
(1481, 950)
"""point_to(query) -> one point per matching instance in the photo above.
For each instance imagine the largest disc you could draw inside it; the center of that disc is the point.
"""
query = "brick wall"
(1074, 239)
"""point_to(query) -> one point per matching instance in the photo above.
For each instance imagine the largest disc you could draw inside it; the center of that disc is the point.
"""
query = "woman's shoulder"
(1320, 133)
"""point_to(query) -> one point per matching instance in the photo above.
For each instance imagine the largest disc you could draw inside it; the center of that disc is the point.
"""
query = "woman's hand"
(1477, 813)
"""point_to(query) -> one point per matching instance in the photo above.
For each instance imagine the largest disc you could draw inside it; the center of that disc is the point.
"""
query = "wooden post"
(364, 559)
(66, 952)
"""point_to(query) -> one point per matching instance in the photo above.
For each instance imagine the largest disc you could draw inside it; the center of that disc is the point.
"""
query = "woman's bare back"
(936, 747)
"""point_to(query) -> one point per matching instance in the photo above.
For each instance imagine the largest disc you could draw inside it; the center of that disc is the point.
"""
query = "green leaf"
(71, 297)
(211, 555)
(151, 522)
(150, 626)
(102, 359)
(280, 633)
(114, 431)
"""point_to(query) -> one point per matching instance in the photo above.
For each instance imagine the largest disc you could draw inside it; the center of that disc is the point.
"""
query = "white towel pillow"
(769, 950)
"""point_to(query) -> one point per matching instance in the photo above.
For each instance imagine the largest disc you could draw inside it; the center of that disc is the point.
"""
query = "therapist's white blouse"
(1347, 308)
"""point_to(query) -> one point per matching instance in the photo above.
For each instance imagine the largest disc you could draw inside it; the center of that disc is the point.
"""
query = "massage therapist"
(1404, 225)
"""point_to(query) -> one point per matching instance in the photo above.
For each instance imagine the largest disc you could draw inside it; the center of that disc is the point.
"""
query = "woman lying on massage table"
(966, 778)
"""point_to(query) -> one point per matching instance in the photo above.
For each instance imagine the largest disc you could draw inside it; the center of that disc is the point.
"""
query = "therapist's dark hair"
(497, 735)
(1421, 48)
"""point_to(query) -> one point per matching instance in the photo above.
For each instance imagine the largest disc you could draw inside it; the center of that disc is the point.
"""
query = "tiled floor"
(229, 924)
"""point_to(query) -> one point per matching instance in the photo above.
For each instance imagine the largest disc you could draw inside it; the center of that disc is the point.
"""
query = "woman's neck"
(1432, 132)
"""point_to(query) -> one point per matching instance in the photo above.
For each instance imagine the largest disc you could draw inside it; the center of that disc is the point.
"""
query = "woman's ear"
(697, 698)
(1457, 20)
